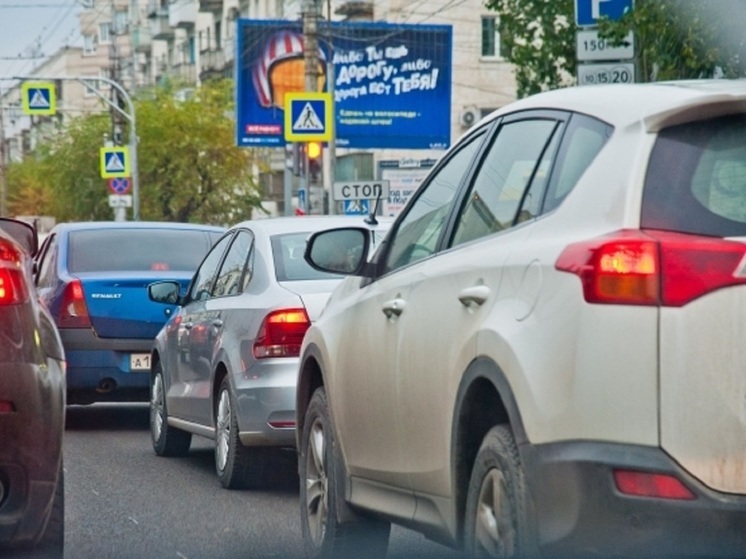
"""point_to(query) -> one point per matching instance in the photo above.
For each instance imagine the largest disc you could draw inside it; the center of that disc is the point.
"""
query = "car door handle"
(187, 325)
(394, 307)
(217, 323)
(475, 295)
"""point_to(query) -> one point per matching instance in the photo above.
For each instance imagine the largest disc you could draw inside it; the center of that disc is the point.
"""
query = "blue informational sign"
(357, 207)
(588, 12)
(392, 83)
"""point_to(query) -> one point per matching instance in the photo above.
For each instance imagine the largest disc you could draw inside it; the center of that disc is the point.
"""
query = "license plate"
(140, 362)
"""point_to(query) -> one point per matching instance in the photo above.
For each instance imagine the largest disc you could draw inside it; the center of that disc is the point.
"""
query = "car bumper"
(580, 512)
(99, 369)
(265, 397)
(31, 447)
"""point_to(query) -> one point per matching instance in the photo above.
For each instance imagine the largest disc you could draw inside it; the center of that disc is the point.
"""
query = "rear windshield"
(138, 250)
(696, 179)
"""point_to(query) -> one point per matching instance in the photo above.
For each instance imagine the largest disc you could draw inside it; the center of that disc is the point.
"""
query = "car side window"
(230, 278)
(418, 233)
(203, 281)
(48, 263)
(583, 140)
(515, 159)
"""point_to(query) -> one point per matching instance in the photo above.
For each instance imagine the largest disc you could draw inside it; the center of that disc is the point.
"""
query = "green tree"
(674, 39)
(190, 169)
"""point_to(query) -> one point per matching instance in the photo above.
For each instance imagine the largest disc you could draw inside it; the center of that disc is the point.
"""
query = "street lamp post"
(129, 114)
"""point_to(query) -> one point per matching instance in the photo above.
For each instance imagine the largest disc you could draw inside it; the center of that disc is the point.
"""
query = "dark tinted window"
(230, 280)
(137, 250)
(203, 280)
(696, 179)
(287, 252)
(512, 162)
(420, 228)
(584, 138)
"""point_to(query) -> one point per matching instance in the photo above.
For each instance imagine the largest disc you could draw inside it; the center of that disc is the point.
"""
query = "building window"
(104, 32)
(491, 41)
(89, 44)
(121, 19)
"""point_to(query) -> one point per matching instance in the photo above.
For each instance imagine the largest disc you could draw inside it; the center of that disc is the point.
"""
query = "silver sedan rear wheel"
(167, 440)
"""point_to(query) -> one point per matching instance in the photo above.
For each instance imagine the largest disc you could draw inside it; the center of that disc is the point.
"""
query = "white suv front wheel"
(321, 496)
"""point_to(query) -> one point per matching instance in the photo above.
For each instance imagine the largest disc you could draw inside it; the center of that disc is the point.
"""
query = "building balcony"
(213, 65)
(142, 38)
(182, 14)
(187, 73)
(157, 8)
(160, 29)
(214, 6)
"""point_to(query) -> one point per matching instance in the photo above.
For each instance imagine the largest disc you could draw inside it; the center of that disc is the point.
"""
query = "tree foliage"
(190, 169)
(674, 39)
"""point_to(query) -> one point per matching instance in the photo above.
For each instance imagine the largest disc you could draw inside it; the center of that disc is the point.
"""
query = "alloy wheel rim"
(223, 430)
(317, 485)
(495, 535)
(156, 408)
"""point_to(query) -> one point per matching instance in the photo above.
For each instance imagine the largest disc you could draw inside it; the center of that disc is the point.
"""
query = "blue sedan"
(92, 276)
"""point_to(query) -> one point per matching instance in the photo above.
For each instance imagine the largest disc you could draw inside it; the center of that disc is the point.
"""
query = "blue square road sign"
(588, 12)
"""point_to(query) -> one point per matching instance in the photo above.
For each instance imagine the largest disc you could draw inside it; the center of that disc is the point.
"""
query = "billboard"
(392, 82)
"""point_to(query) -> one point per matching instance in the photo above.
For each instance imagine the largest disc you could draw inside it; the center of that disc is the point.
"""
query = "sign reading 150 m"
(392, 83)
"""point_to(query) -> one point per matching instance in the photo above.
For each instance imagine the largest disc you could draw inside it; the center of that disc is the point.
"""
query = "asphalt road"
(124, 502)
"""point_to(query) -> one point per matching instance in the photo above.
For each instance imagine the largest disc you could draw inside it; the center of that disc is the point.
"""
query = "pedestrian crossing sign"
(115, 162)
(39, 98)
(308, 117)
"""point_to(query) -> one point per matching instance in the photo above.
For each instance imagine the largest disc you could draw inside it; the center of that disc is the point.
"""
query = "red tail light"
(73, 310)
(653, 267)
(281, 333)
(646, 484)
(12, 287)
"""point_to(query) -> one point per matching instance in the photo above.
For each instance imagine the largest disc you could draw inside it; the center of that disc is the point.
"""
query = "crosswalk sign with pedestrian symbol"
(38, 98)
(115, 162)
(308, 117)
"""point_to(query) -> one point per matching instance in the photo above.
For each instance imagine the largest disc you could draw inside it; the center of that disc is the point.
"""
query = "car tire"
(52, 543)
(237, 466)
(322, 503)
(495, 523)
(167, 440)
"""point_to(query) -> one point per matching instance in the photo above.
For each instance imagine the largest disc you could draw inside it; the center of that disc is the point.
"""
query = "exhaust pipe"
(106, 385)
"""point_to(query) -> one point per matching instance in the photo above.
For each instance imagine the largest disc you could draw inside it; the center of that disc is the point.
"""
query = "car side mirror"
(338, 251)
(23, 233)
(166, 292)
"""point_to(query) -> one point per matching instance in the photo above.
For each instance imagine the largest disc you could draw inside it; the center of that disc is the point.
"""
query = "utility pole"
(3, 165)
(331, 162)
(310, 12)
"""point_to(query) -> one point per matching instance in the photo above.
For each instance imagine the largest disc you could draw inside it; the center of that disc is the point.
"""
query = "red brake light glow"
(653, 267)
(73, 309)
(281, 333)
(646, 484)
(12, 287)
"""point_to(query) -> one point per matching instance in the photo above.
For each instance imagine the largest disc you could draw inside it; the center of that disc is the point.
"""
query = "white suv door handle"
(217, 323)
(394, 307)
(475, 295)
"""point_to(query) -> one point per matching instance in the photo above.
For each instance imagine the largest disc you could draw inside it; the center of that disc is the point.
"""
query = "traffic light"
(314, 151)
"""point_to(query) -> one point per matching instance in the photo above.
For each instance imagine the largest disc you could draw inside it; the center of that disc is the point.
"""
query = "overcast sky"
(29, 27)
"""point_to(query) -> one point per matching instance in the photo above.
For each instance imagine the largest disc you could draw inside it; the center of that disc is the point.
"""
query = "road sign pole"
(129, 114)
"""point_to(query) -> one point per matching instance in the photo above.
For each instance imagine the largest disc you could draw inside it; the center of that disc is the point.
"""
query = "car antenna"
(371, 219)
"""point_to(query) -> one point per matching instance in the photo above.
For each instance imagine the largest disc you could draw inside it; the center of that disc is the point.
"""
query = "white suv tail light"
(650, 267)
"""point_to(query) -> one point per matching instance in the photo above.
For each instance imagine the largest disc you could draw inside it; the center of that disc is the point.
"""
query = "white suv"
(547, 356)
